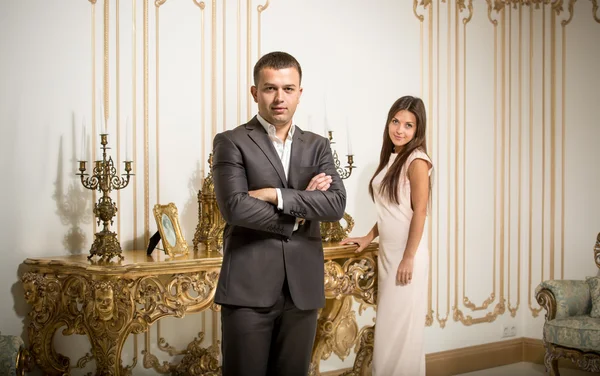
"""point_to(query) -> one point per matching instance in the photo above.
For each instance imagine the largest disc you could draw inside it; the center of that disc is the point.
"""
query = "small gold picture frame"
(167, 220)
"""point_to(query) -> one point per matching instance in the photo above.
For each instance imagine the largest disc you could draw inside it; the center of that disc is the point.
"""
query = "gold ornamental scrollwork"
(468, 320)
(420, 17)
(199, 361)
(570, 8)
(211, 224)
(494, 5)
(261, 8)
(356, 277)
(364, 357)
(337, 332)
(469, 304)
(334, 232)
(163, 345)
(107, 310)
(101, 309)
(200, 4)
(43, 294)
(174, 297)
(469, 7)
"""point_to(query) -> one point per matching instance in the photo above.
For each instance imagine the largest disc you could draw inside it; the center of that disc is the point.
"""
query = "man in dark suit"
(274, 183)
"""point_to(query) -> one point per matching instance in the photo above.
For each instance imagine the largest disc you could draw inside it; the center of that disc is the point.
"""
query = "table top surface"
(138, 261)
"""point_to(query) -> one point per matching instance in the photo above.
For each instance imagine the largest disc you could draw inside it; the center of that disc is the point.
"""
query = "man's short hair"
(276, 60)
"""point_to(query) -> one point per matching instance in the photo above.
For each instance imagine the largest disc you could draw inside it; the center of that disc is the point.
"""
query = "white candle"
(327, 128)
(101, 113)
(348, 136)
(103, 125)
(82, 151)
(127, 140)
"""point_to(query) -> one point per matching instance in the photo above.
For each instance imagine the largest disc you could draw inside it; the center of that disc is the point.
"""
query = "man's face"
(277, 93)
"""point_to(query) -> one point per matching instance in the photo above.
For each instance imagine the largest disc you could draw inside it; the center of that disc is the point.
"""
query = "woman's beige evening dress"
(401, 310)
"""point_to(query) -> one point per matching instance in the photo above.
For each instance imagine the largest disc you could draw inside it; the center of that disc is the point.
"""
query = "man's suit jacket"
(260, 247)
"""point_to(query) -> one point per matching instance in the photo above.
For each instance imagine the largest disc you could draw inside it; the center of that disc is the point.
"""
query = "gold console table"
(108, 301)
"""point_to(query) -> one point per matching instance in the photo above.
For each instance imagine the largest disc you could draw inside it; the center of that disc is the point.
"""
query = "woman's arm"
(418, 176)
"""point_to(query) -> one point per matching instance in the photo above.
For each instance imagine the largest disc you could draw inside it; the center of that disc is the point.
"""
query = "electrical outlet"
(509, 331)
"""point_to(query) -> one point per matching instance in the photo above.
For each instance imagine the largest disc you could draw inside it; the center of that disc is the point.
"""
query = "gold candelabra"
(335, 231)
(105, 179)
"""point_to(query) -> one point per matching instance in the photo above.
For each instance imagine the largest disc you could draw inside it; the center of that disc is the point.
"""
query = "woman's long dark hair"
(389, 184)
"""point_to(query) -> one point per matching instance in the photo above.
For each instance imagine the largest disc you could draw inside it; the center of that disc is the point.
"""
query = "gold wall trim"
(213, 75)
(248, 54)
(429, 7)
(500, 306)
(437, 162)
(534, 311)
(552, 139)
(224, 41)
(261, 8)
(462, 6)
(157, 5)
(564, 24)
(239, 62)
(443, 320)
(508, 247)
(146, 138)
(134, 120)
(118, 106)
(419, 16)
(429, 315)
(202, 5)
(511, 309)
(543, 240)
(457, 314)
(134, 139)
(94, 132)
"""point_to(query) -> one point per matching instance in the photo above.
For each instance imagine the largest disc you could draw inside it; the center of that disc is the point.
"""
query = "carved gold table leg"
(337, 332)
(43, 293)
(346, 279)
(109, 316)
(364, 357)
(107, 353)
(102, 309)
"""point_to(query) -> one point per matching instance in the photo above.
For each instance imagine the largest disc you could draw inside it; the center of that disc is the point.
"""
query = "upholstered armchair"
(572, 327)
(13, 355)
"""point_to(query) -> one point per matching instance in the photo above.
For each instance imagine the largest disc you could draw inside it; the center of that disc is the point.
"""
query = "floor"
(524, 369)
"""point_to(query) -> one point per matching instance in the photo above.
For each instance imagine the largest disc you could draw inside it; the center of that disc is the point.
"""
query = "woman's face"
(402, 129)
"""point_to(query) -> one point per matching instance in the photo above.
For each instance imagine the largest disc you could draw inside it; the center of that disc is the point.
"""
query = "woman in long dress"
(400, 189)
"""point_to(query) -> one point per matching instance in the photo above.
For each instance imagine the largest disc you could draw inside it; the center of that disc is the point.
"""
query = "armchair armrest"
(13, 355)
(564, 298)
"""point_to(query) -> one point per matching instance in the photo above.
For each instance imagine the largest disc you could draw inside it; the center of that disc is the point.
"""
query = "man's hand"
(320, 182)
(265, 194)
